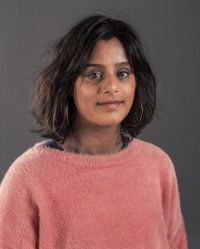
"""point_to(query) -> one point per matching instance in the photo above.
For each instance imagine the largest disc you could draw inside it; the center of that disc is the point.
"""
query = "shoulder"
(150, 148)
(23, 166)
(153, 154)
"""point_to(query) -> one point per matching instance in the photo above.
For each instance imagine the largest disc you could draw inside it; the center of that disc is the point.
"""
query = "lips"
(110, 102)
(110, 105)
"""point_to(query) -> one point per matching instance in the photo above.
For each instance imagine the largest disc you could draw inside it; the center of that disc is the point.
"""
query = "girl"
(92, 183)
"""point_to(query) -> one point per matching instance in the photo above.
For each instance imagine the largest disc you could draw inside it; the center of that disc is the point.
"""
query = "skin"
(97, 125)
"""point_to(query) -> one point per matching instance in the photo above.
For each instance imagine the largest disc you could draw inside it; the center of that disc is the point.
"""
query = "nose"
(110, 85)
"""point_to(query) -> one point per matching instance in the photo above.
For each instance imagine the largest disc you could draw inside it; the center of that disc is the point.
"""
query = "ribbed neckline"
(83, 160)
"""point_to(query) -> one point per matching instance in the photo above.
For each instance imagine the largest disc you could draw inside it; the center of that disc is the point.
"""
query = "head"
(58, 88)
(104, 92)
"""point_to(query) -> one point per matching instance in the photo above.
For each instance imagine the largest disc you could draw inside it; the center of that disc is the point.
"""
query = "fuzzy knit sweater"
(51, 199)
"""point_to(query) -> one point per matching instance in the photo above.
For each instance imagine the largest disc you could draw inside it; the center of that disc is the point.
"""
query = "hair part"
(53, 105)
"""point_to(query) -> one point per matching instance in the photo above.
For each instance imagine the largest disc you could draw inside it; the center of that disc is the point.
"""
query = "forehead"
(108, 51)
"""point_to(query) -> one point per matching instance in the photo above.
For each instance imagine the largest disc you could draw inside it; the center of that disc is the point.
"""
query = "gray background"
(171, 36)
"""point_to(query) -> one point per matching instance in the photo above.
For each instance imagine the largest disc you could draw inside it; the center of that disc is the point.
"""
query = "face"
(104, 92)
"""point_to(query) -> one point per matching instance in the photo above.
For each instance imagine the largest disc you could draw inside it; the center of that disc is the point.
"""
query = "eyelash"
(90, 75)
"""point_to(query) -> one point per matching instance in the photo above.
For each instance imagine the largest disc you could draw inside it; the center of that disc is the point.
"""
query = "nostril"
(110, 89)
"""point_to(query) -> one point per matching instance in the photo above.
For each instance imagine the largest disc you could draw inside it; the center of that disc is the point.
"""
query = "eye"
(95, 76)
(123, 74)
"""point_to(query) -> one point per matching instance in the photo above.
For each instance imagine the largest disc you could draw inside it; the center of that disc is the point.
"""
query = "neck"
(94, 140)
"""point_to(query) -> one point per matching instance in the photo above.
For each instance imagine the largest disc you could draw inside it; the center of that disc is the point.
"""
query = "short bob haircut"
(53, 105)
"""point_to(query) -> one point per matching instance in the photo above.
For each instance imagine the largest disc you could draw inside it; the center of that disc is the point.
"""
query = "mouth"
(110, 104)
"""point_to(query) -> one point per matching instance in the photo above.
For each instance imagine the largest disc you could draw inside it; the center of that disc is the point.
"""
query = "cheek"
(83, 98)
(130, 91)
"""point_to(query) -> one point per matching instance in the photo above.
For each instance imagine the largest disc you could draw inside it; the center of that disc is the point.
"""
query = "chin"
(106, 120)
(110, 122)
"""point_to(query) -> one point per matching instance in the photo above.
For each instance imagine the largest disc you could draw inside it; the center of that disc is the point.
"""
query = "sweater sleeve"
(18, 212)
(176, 231)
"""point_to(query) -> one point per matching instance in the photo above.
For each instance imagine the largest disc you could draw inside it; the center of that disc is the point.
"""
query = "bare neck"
(94, 140)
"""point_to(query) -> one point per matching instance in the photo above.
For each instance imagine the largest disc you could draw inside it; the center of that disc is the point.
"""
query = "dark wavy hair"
(53, 105)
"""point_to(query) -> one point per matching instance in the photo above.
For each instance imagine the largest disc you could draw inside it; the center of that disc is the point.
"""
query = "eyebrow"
(102, 66)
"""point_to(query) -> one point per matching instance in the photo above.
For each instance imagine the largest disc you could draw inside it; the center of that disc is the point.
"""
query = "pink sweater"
(51, 199)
